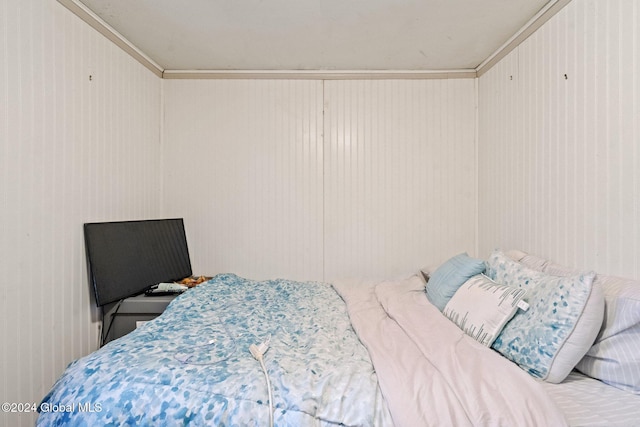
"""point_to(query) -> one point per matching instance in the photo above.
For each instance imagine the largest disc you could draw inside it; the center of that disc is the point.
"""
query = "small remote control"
(165, 289)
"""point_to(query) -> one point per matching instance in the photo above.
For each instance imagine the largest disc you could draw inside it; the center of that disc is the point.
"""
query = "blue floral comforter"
(192, 365)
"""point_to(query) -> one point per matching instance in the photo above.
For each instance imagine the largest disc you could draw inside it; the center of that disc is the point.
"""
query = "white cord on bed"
(257, 351)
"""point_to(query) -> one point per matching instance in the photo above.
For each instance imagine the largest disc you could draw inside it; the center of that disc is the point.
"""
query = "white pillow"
(614, 358)
(565, 315)
(481, 307)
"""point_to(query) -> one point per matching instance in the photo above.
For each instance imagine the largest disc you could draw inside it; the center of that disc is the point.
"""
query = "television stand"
(132, 313)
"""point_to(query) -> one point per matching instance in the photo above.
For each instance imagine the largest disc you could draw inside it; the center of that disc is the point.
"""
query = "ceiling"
(317, 34)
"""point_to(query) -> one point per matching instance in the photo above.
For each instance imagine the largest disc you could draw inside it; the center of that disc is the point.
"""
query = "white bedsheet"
(589, 402)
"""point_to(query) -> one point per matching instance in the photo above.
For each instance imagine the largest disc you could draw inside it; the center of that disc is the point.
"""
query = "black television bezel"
(172, 261)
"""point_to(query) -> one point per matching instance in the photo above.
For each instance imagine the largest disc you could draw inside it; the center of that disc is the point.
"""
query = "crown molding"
(546, 13)
(110, 33)
(319, 74)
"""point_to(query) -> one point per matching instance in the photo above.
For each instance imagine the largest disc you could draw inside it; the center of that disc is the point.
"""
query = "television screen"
(128, 257)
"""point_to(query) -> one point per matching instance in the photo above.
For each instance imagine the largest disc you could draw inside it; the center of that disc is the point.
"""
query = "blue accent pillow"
(541, 340)
(445, 281)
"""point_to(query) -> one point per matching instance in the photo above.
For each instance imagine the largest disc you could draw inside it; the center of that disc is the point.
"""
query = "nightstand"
(133, 312)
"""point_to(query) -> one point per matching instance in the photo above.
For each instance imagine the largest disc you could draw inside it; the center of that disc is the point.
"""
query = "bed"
(353, 353)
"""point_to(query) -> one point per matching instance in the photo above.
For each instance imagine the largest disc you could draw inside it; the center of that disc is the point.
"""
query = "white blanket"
(430, 372)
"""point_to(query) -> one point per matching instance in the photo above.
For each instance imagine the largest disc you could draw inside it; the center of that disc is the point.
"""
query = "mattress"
(589, 402)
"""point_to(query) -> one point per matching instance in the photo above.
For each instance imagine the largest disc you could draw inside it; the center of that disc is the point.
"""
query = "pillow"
(481, 307)
(551, 337)
(446, 279)
(532, 262)
(614, 358)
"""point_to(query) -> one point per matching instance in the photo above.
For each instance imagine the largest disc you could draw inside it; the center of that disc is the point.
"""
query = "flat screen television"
(127, 257)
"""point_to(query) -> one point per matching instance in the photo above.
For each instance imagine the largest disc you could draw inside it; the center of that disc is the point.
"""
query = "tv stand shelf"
(133, 310)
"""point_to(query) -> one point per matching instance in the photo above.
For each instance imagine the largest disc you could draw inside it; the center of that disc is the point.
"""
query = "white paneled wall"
(559, 144)
(243, 166)
(79, 141)
(313, 180)
(400, 187)
(304, 179)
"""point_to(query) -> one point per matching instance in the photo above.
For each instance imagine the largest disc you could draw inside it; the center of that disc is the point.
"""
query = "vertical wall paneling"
(79, 142)
(243, 166)
(313, 179)
(4, 196)
(559, 156)
(305, 179)
(399, 174)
